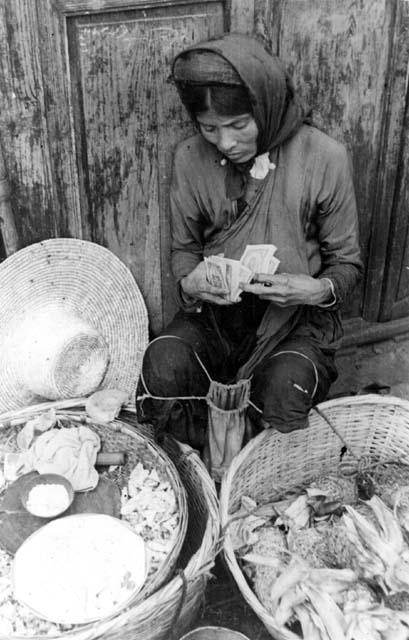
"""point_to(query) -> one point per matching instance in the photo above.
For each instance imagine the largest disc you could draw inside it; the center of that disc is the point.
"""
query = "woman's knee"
(286, 386)
(170, 367)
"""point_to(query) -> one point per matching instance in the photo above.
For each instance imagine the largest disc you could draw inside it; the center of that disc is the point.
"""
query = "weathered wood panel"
(340, 57)
(33, 94)
(395, 298)
(391, 196)
(128, 119)
(80, 7)
(8, 231)
(241, 18)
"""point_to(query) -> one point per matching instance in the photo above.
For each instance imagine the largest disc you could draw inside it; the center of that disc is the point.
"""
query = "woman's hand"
(287, 289)
(197, 286)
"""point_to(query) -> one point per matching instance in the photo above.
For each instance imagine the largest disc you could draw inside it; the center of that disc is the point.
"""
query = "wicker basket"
(272, 463)
(170, 609)
(118, 436)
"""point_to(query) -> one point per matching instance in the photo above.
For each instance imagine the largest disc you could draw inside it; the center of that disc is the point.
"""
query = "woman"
(256, 173)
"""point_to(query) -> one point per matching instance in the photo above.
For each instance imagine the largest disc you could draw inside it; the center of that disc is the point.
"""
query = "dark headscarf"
(238, 58)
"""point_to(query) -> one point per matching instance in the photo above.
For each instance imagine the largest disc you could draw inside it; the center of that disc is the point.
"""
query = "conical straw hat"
(72, 319)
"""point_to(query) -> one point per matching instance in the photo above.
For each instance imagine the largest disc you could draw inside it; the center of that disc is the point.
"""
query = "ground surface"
(225, 607)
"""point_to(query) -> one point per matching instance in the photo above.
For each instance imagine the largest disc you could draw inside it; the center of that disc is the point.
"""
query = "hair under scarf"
(276, 109)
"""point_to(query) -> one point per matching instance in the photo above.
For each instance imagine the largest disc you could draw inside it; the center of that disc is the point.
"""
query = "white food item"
(79, 568)
(48, 500)
(149, 505)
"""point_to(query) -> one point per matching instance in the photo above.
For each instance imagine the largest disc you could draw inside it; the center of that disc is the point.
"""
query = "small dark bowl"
(47, 479)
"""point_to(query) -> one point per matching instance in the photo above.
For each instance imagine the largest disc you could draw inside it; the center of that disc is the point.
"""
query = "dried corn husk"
(268, 558)
(389, 478)
(295, 574)
(333, 581)
(312, 573)
(296, 514)
(243, 526)
(311, 624)
(401, 507)
(365, 510)
(330, 614)
(374, 622)
(379, 549)
(291, 599)
(289, 586)
(335, 488)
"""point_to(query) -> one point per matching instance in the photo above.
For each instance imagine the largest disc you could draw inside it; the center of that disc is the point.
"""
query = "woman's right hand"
(196, 285)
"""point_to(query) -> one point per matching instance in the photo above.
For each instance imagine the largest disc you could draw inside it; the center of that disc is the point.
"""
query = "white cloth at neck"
(262, 165)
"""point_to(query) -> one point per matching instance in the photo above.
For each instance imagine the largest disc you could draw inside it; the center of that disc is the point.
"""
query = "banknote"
(259, 258)
(216, 271)
(272, 266)
(235, 274)
(228, 274)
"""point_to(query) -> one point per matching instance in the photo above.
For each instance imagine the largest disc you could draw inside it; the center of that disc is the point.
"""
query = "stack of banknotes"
(228, 274)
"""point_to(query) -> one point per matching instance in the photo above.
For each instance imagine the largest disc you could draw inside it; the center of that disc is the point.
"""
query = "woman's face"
(234, 136)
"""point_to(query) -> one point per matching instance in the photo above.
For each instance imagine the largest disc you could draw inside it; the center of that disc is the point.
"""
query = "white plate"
(80, 568)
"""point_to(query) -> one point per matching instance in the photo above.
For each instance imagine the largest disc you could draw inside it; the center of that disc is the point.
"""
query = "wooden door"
(350, 61)
(127, 120)
(394, 299)
(92, 122)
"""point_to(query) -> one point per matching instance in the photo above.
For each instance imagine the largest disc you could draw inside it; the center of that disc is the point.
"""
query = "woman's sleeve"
(337, 222)
(185, 222)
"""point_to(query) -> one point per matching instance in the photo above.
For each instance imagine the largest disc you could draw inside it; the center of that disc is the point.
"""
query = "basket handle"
(336, 431)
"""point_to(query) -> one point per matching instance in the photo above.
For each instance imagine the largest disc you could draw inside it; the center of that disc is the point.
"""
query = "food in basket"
(312, 544)
(381, 553)
(271, 544)
(342, 574)
(390, 478)
(47, 500)
(47, 495)
(79, 569)
(153, 508)
(335, 488)
(149, 505)
(16, 618)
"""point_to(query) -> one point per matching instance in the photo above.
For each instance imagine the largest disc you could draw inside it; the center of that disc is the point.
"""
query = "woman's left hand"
(287, 289)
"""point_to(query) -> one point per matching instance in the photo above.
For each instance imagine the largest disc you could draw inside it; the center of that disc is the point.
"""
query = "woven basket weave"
(272, 464)
(81, 280)
(170, 609)
(118, 436)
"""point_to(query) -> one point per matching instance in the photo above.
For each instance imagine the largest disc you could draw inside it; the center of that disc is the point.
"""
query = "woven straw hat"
(72, 319)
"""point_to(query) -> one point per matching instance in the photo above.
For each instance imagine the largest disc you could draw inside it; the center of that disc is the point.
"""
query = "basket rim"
(281, 633)
(166, 567)
(371, 398)
(198, 566)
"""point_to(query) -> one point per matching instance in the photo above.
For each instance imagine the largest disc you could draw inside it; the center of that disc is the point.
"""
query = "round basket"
(170, 609)
(118, 436)
(214, 633)
(272, 464)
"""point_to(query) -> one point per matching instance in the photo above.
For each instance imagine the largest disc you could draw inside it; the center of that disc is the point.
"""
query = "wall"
(350, 63)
